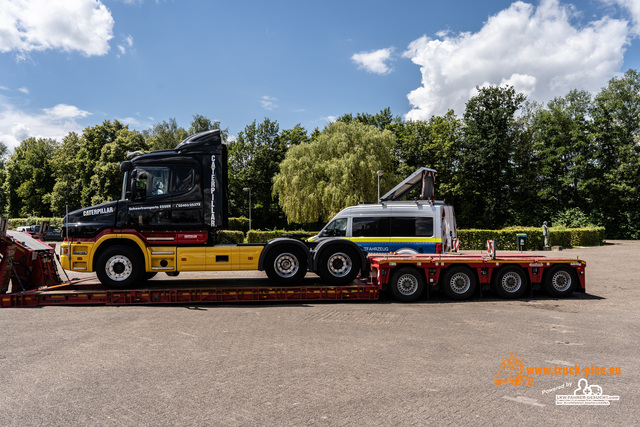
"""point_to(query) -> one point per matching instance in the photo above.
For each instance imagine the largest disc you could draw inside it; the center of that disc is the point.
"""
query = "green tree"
(484, 181)
(254, 159)
(616, 157)
(28, 177)
(433, 144)
(166, 135)
(562, 142)
(201, 123)
(86, 168)
(337, 169)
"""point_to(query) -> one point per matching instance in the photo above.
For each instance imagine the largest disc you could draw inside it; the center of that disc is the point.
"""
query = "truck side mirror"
(132, 186)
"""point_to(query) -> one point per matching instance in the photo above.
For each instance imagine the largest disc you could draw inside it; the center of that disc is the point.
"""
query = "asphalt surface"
(382, 363)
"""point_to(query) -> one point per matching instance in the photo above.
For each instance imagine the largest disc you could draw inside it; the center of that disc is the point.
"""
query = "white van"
(397, 226)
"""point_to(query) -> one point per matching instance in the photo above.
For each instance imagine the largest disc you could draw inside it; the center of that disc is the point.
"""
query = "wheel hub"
(119, 268)
(339, 264)
(286, 265)
(460, 283)
(561, 281)
(407, 284)
(511, 282)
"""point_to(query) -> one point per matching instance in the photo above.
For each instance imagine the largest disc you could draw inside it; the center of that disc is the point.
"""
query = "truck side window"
(412, 227)
(337, 227)
(370, 227)
(152, 181)
(183, 178)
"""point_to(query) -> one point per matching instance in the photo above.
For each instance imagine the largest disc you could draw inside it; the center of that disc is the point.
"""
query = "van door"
(371, 232)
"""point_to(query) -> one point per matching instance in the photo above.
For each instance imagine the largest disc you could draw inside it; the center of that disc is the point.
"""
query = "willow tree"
(337, 169)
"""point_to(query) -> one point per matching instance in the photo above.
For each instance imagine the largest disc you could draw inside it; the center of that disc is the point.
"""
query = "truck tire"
(338, 265)
(149, 275)
(459, 282)
(407, 284)
(510, 282)
(119, 267)
(560, 281)
(286, 264)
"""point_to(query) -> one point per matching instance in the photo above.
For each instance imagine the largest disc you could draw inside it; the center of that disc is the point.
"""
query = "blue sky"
(69, 64)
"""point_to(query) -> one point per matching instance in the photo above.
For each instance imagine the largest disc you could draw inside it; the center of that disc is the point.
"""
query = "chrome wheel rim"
(286, 265)
(118, 268)
(561, 281)
(511, 282)
(339, 264)
(460, 283)
(407, 284)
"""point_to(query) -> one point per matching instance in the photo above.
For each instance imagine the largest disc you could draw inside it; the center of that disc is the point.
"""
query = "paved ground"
(384, 363)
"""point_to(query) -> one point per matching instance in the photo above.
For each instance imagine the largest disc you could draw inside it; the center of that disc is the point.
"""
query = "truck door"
(150, 205)
(187, 207)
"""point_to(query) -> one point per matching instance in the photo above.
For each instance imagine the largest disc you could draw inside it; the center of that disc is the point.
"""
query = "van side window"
(337, 227)
(412, 227)
(370, 227)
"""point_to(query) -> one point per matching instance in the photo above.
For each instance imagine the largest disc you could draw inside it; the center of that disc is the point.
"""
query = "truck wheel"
(338, 265)
(407, 284)
(459, 282)
(510, 282)
(560, 281)
(286, 265)
(119, 267)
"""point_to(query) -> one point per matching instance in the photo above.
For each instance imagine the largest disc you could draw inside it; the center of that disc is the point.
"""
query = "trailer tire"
(459, 282)
(338, 265)
(120, 267)
(407, 284)
(560, 281)
(286, 264)
(510, 282)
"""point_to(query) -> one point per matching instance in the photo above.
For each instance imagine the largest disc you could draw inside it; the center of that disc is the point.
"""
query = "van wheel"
(459, 282)
(286, 265)
(338, 265)
(510, 282)
(407, 284)
(119, 267)
(560, 281)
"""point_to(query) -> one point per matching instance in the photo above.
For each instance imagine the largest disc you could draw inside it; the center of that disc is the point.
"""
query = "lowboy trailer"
(29, 266)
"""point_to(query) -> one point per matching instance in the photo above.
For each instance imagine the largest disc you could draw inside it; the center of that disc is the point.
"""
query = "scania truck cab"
(171, 218)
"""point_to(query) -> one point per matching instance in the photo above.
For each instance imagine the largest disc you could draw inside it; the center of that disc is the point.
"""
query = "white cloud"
(268, 103)
(536, 49)
(70, 25)
(374, 61)
(24, 90)
(55, 122)
(126, 45)
(633, 7)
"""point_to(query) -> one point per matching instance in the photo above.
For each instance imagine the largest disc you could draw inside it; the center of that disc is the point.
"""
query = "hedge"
(259, 236)
(506, 238)
(239, 223)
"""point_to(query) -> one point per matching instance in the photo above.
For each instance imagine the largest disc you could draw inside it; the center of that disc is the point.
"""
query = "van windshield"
(337, 227)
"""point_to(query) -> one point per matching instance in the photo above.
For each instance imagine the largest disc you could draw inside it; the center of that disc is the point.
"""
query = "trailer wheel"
(286, 265)
(119, 267)
(338, 265)
(459, 282)
(407, 284)
(560, 281)
(510, 282)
